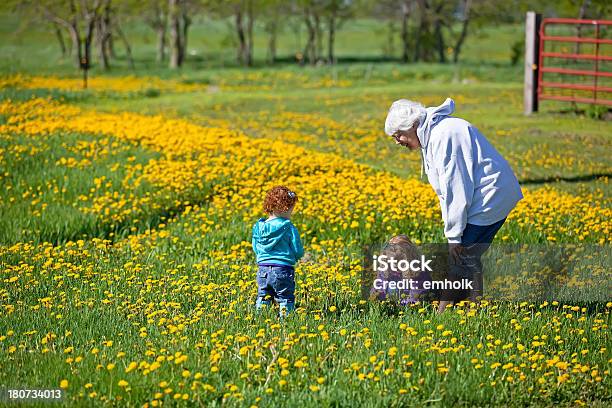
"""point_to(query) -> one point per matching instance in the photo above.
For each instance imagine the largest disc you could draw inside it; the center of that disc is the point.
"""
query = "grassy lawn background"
(144, 293)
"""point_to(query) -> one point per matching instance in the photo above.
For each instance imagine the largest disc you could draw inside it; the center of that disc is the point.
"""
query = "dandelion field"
(127, 276)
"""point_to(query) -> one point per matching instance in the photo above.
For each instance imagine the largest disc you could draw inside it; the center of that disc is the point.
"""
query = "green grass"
(212, 45)
(182, 273)
(50, 189)
(542, 148)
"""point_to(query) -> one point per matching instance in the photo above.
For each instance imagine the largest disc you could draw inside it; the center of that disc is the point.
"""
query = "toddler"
(400, 247)
(277, 245)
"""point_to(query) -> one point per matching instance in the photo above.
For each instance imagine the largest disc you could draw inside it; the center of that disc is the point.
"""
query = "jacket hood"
(268, 233)
(434, 115)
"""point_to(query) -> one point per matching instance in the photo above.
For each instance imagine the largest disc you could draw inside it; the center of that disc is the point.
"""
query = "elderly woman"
(474, 183)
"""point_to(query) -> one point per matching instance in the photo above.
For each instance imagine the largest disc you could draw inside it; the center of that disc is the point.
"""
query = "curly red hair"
(279, 199)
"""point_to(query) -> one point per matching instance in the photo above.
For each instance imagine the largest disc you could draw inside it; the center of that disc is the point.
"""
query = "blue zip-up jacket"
(277, 241)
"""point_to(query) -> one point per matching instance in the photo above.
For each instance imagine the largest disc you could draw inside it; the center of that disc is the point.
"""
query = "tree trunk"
(421, 49)
(309, 50)
(440, 45)
(331, 38)
(241, 36)
(82, 45)
(296, 27)
(60, 39)
(273, 32)
(76, 44)
(158, 22)
(318, 36)
(126, 44)
(101, 38)
(161, 43)
(581, 14)
(91, 24)
(405, 39)
(110, 45)
(250, 22)
(76, 35)
(108, 24)
(175, 34)
(464, 27)
(103, 35)
(186, 22)
(107, 21)
(389, 46)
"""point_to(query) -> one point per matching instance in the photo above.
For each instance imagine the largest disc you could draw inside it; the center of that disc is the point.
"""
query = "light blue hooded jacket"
(474, 183)
(277, 241)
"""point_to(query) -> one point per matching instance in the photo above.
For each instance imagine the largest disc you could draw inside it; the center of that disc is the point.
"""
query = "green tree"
(79, 19)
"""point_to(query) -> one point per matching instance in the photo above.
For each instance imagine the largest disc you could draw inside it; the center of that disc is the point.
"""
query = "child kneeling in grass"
(278, 247)
(399, 248)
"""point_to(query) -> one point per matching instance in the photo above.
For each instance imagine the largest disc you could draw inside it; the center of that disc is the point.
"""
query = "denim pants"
(480, 234)
(278, 283)
(476, 239)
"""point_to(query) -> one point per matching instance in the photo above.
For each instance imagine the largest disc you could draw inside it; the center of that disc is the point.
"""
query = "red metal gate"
(582, 74)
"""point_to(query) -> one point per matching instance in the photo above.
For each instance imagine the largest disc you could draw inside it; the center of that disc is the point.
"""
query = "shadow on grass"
(124, 228)
(23, 95)
(575, 179)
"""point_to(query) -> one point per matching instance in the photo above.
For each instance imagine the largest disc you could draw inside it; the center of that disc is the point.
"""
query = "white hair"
(403, 115)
